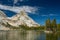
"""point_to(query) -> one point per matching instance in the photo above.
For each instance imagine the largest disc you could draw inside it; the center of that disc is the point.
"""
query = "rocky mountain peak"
(23, 13)
(20, 19)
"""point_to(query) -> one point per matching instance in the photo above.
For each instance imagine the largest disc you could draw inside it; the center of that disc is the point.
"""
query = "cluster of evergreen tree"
(51, 25)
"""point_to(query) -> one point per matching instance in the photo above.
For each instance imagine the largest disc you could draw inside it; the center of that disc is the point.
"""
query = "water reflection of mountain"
(58, 35)
(21, 35)
(28, 35)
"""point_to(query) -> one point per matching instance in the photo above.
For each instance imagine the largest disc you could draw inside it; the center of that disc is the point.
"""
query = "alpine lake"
(28, 35)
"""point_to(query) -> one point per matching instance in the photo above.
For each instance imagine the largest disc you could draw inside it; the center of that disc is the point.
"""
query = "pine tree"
(48, 24)
(54, 25)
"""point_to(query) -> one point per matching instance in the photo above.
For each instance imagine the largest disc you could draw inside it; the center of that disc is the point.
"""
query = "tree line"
(52, 25)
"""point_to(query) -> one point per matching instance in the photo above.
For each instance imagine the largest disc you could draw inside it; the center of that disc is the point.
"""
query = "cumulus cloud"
(18, 9)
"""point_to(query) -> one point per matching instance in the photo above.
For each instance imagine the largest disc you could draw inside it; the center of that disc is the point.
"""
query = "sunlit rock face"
(2, 27)
(2, 20)
(2, 15)
(21, 18)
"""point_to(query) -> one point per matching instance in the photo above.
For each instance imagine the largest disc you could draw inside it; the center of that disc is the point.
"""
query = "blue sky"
(46, 9)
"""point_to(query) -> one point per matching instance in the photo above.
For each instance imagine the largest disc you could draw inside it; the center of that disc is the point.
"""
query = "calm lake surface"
(28, 35)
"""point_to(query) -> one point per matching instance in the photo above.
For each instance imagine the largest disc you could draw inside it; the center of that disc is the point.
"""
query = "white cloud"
(49, 15)
(44, 15)
(18, 9)
(53, 14)
(15, 1)
(21, 0)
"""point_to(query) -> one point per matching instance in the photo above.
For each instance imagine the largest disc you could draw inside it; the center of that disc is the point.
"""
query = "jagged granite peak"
(22, 19)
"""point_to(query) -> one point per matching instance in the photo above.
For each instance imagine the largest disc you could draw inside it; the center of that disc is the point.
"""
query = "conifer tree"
(48, 24)
(53, 24)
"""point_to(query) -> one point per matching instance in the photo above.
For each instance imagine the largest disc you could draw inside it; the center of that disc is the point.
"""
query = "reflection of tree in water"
(58, 35)
(52, 36)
